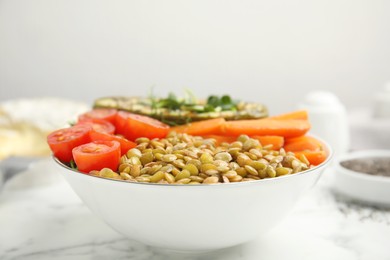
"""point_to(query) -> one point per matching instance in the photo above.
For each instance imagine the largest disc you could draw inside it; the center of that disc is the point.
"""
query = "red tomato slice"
(133, 126)
(62, 141)
(97, 155)
(106, 114)
(99, 125)
(124, 143)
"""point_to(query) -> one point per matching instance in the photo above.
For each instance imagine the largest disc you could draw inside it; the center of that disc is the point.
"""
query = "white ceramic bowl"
(364, 187)
(192, 217)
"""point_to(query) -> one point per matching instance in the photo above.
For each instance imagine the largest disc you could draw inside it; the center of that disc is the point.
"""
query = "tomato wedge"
(62, 141)
(124, 143)
(106, 114)
(99, 125)
(133, 126)
(97, 155)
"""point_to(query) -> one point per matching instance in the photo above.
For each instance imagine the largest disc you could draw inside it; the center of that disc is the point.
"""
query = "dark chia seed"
(373, 166)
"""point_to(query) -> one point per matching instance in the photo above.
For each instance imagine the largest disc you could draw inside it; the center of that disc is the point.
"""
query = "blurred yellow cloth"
(25, 124)
(21, 138)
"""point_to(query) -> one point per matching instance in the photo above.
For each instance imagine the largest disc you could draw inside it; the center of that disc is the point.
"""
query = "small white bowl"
(192, 217)
(371, 189)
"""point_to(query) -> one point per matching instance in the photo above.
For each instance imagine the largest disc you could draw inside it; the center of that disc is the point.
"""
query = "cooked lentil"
(185, 159)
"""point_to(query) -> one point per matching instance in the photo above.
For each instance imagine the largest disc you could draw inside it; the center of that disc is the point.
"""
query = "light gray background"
(268, 51)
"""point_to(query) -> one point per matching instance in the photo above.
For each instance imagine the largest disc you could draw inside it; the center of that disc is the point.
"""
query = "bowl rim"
(363, 154)
(265, 180)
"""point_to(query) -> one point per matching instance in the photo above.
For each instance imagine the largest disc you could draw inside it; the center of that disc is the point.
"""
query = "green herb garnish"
(190, 103)
(73, 165)
(224, 103)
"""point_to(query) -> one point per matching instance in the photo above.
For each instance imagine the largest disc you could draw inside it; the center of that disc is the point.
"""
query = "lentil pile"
(186, 159)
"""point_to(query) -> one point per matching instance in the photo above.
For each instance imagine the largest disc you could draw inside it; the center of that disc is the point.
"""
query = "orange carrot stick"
(285, 128)
(277, 142)
(299, 114)
(314, 157)
(303, 143)
(205, 127)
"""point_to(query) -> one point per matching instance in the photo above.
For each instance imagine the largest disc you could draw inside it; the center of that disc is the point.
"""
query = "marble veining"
(41, 218)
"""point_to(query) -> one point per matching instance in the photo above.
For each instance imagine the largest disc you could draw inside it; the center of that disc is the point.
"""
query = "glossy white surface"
(46, 220)
(195, 217)
(361, 186)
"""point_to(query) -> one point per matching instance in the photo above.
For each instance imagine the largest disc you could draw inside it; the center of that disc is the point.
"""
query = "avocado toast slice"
(175, 111)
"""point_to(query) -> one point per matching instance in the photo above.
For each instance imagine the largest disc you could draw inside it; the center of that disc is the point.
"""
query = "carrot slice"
(314, 157)
(277, 142)
(285, 128)
(303, 143)
(299, 114)
(205, 127)
(314, 150)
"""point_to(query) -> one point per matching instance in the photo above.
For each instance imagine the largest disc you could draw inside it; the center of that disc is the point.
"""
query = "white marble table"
(41, 218)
